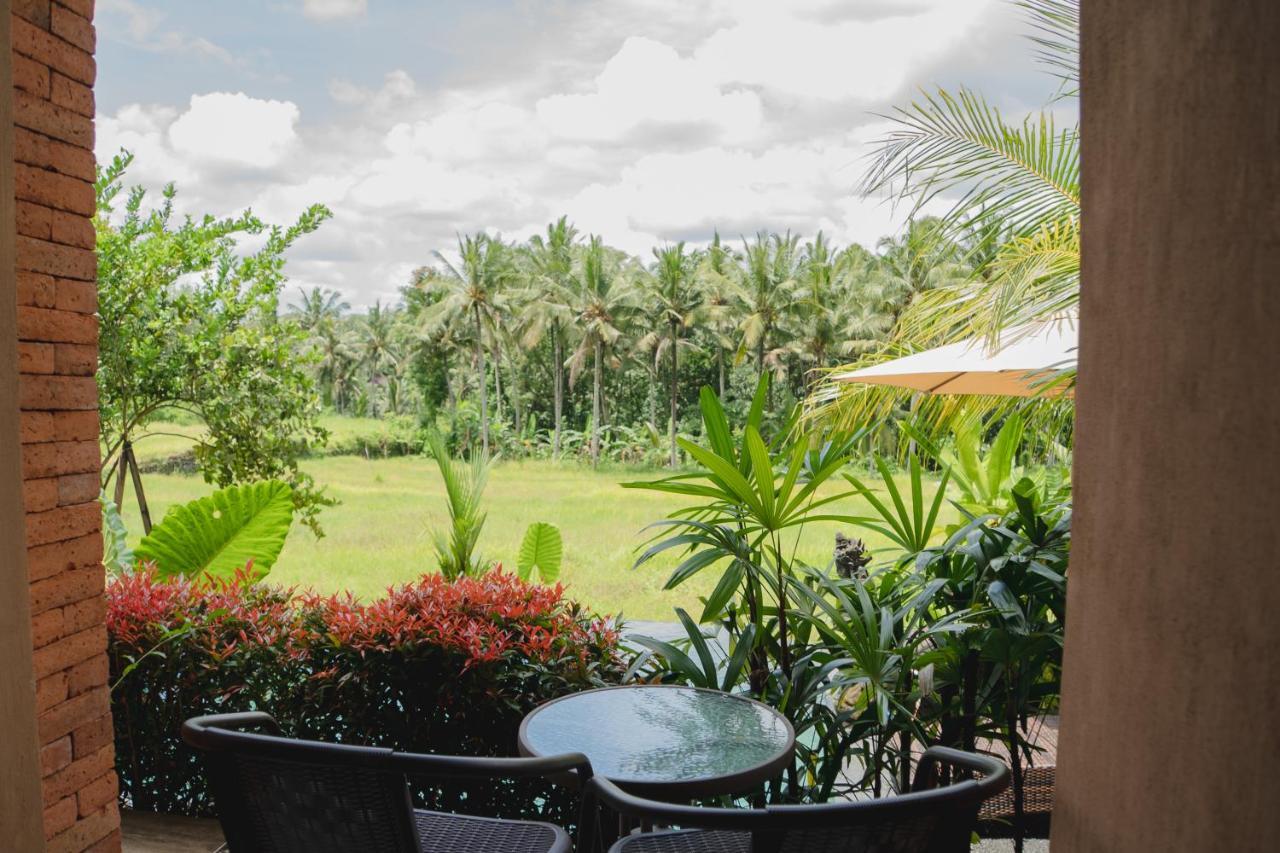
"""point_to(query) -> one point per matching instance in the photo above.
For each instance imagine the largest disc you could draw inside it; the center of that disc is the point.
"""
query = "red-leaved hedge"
(434, 666)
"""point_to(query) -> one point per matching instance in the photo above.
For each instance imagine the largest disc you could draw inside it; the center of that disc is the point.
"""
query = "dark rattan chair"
(279, 795)
(929, 819)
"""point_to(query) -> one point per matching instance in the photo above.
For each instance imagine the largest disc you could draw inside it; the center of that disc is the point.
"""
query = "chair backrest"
(277, 795)
(930, 819)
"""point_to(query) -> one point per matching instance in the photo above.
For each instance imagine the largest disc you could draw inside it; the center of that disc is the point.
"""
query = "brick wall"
(53, 75)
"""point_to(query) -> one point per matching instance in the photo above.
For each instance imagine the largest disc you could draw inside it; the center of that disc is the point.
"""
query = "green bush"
(435, 666)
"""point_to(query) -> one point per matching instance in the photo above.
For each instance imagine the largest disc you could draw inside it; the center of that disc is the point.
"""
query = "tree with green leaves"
(604, 301)
(318, 305)
(189, 323)
(474, 291)
(548, 312)
(674, 293)
(718, 277)
(770, 267)
(1017, 183)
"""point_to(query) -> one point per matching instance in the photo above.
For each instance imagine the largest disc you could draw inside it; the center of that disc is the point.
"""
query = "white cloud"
(142, 27)
(329, 10)
(644, 120)
(646, 83)
(236, 129)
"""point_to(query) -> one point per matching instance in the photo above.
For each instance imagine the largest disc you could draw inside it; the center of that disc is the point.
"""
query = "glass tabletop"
(650, 735)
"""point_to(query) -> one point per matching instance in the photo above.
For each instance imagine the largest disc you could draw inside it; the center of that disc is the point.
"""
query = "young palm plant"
(464, 489)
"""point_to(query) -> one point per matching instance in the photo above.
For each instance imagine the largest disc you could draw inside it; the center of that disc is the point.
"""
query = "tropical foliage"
(1014, 194)
(236, 529)
(189, 325)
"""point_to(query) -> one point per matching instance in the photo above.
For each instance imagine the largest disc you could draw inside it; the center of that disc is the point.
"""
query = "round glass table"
(665, 742)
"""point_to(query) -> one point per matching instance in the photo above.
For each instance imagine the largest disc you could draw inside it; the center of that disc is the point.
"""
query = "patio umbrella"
(1026, 357)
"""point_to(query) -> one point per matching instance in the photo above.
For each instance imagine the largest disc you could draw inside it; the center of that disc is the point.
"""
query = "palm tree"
(675, 294)
(548, 313)
(334, 361)
(770, 267)
(719, 281)
(603, 301)
(1021, 179)
(472, 292)
(318, 305)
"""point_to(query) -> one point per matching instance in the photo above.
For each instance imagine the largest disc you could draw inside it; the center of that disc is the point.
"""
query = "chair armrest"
(500, 768)
(601, 791)
(994, 773)
(195, 731)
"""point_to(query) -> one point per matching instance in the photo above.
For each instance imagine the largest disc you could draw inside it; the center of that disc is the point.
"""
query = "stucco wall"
(56, 293)
(1169, 739)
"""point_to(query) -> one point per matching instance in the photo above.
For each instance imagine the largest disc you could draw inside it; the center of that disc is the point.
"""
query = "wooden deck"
(147, 832)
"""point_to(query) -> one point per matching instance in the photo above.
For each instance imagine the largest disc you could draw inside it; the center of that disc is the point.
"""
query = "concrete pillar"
(1170, 738)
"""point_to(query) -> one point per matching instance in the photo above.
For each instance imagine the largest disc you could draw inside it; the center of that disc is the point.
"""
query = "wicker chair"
(930, 819)
(279, 795)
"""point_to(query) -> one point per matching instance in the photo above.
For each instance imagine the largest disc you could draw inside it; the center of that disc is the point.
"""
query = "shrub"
(435, 666)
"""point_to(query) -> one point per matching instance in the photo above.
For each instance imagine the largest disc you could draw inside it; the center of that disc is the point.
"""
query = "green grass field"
(380, 534)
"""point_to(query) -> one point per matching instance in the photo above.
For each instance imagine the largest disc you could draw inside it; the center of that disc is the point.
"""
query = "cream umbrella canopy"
(1019, 367)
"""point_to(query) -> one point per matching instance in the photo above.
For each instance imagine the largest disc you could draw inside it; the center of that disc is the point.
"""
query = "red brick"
(110, 843)
(35, 358)
(60, 816)
(83, 8)
(55, 756)
(97, 794)
(73, 230)
(75, 618)
(73, 28)
(37, 12)
(30, 40)
(75, 360)
(63, 718)
(81, 771)
(78, 488)
(74, 295)
(76, 97)
(35, 149)
(46, 628)
(59, 457)
(57, 392)
(52, 189)
(85, 834)
(68, 327)
(86, 676)
(46, 117)
(39, 495)
(83, 555)
(67, 588)
(35, 220)
(31, 76)
(75, 426)
(35, 289)
(54, 259)
(65, 522)
(50, 691)
(92, 736)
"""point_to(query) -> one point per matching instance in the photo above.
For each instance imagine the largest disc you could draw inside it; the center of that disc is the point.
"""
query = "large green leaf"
(541, 549)
(222, 533)
(116, 555)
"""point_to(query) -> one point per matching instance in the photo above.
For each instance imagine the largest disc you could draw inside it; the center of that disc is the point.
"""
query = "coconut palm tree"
(603, 303)
(719, 282)
(472, 292)
(1021, 179)
(317, 305)
(548, 313)
(673, 291)
(335, 361)
(770, 266)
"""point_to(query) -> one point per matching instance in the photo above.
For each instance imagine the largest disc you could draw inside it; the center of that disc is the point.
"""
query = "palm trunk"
(557, 355)
(484, 386)
(720, 368)
(497, 377)
(597, 381)
(675, 388)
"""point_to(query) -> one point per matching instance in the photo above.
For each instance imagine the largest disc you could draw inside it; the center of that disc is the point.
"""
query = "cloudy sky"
(643, 120)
